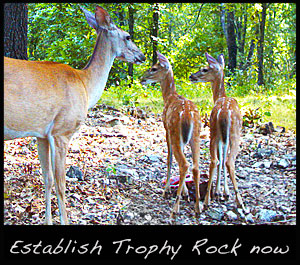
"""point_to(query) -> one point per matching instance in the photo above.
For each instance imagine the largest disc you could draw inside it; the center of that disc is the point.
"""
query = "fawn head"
(157, 72)
(119, 41)
(210, 72)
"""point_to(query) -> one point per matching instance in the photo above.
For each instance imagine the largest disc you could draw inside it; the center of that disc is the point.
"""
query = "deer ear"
(90, 18)
(213, 63)
(164, 62)
(103, 18)
(221, 60)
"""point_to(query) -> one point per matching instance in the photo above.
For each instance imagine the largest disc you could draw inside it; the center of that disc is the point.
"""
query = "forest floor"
(118, 165)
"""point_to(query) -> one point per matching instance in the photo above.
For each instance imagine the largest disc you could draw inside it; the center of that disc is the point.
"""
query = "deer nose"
(192, 78)
(142, 58)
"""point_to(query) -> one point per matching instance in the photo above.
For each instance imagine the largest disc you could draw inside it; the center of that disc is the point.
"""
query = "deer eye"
(204, 70)
(153, 69)
(128, 37)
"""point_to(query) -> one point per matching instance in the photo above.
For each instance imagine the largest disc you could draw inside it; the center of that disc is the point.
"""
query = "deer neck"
(218, 87)
(168, 85)
(98, 68)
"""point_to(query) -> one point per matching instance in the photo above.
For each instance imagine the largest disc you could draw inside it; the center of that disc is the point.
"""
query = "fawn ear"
(221, 60)
(213, 63)
(90, 18)
(164, 62)
(103, 18)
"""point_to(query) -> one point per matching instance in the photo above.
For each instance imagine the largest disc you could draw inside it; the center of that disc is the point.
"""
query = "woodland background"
(257, 39)
(120, 153)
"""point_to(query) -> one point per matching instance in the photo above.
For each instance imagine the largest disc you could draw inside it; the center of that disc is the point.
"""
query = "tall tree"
(154, 33)
(15, 30)
(231, 42)
(260, 47)
(131, 32)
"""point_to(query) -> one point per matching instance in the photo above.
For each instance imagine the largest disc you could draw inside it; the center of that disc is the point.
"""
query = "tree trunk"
(260, 47)
(131, 32)
(155, 32)
(223, 21)
(231, 42)
(15, 30)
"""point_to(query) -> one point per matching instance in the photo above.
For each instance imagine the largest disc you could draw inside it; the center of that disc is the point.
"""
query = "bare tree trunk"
(155, 32)
(231, 42)
(131, 32)
(15, 30)
(223, 21)
(260, 47)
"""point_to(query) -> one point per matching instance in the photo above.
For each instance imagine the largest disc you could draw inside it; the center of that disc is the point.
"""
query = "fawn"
(225, 128)
(182, 123)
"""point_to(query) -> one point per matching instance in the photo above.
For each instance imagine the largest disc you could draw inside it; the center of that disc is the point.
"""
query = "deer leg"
(196, 174)
(226, 189)
(218, 184)
(169, 163)
(44, 156)
(183, 167)
(212, 171)
(61, 145)
(231, 169)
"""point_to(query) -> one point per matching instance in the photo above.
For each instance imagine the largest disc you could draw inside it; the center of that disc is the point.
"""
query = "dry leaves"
(123, 162)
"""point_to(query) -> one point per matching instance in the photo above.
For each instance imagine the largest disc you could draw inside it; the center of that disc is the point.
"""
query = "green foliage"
(59, 32)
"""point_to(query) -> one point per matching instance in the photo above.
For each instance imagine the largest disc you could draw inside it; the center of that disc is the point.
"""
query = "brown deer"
(182, 123)
(50, 100)
(225, 128)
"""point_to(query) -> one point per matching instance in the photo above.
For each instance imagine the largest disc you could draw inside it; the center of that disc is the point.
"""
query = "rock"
(128, 171)
(249, 218)
(215, 213)
(151, 159)
(258, 164)
(267, 164)
(148, 217)
(74, 172)
(290, 157)
(230, 215)
(113, 122)
(241, 213)
(283, 163)
(269, 215)
(280, 129)
(129, 215)
(262, 153)
(266, 128)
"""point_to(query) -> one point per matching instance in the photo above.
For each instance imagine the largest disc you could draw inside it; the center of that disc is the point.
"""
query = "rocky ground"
(117, 161)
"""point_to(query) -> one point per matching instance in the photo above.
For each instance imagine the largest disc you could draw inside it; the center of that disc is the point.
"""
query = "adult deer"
(182, 123)
(50, 100)
(225, 128)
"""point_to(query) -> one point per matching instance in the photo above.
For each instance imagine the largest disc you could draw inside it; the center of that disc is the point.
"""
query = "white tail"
(182, 124)
(225, 128)
(50, 100)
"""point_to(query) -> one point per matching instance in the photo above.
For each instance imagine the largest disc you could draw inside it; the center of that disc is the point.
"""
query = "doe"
(182, 123)
(50, 100)
(225, 128)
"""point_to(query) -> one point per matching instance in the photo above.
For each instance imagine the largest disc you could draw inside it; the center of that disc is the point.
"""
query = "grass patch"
(279, 109)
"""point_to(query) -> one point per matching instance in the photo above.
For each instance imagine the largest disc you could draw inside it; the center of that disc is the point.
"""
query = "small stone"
(249, 218)
(231, 215)
(259, 164)
(148, 217)
(129, 215)
(215, 213)
(283, 163)
(241, 213)
(267, 164)
(269, 215)
(74, 172)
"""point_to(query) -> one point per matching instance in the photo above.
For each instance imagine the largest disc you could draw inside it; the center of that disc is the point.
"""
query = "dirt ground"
(118, 163)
